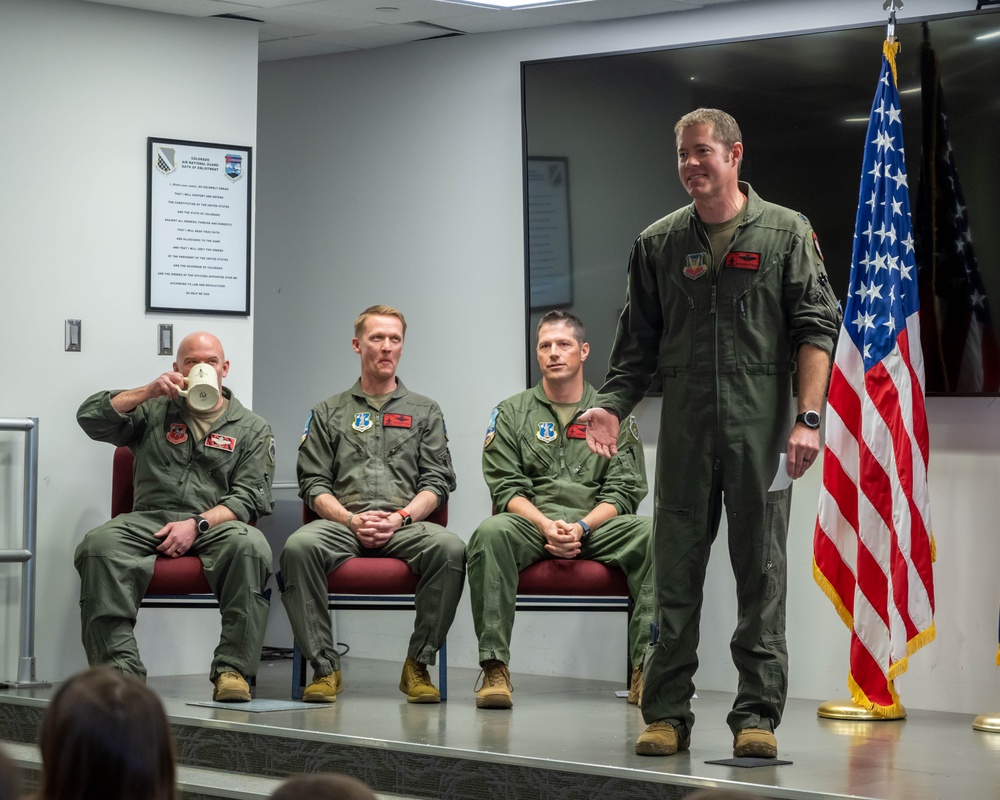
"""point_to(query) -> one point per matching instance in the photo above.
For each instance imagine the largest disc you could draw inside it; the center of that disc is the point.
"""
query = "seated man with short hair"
(555, 499)
(200, 476)
(373, 464)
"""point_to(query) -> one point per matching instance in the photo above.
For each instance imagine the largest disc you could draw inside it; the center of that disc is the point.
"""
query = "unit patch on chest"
(178, 433)
(576, 431)
(220, 442)
(362, 421)
(694, 266)
(397, 421)
(546, 432)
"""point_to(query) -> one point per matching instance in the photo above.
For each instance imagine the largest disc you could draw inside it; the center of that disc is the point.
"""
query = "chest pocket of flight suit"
(761, 345)
(216, 459)
(680, 309)
(396, 438)
(539, 456)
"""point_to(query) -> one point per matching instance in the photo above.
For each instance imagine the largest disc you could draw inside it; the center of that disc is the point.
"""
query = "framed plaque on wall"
(198, 227)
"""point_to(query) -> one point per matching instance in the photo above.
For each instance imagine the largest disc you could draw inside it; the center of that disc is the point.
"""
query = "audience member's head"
(323, 787)
(106, 735)
(721, 794)
(10, 782)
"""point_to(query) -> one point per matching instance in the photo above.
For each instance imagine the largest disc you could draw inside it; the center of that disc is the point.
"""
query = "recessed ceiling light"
(515, 4)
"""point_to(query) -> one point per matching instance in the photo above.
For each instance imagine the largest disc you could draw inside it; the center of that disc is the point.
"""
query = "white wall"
(394, 176)
(83, 86)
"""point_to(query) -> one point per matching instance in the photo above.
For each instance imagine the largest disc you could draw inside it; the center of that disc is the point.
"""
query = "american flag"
(873, 547)
(959, 340)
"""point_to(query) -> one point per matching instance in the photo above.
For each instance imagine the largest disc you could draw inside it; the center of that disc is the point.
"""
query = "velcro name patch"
(220, 442)
(741, 260)
(576, 431)
(397, 421)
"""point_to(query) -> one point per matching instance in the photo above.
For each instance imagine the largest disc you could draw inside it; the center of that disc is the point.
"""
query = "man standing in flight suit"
(726, 298)
(555, 499)
(373, 464)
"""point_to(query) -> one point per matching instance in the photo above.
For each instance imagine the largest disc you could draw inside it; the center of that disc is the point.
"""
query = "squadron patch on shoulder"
(695, 266)
(272, 452)
(491, 431)
(220, 442)
(362, 421)
(633, 427)
(305, 430)
(577, 430)
(816, 245)
(546, 432)
(178, 433)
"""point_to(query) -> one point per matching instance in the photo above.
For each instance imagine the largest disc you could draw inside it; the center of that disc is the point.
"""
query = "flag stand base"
(848, 709)
(987, 722)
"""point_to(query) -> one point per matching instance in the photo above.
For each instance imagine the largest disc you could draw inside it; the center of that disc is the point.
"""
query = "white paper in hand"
(782, 480)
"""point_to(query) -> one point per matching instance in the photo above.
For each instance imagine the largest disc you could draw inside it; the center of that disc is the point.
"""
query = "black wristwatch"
(202, 524)
(809, 418)
(586, 530)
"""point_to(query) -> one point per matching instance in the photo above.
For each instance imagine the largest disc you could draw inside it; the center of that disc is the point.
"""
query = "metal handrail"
(26, 662)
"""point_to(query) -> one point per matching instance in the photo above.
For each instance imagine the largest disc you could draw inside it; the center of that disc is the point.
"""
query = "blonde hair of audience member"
(10, 779)
(327, 786)
(105, 735)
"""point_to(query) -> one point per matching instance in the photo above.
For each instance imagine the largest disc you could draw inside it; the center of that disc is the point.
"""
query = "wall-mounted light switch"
(72, 336)
(165, 340)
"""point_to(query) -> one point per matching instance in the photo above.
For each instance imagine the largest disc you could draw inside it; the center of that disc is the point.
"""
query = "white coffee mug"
(203, 387)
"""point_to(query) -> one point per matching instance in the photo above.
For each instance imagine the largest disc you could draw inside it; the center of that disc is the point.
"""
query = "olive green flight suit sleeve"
(814, 314)
(102, 423)
(317, 455)
(502, 465)
(625, 482)
(636, 348)
(436, 473)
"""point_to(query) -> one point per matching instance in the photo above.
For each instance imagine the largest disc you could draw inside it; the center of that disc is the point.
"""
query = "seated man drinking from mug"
(203, 470)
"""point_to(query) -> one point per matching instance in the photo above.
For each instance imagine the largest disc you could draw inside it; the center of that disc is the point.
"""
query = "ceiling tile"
(293, 28)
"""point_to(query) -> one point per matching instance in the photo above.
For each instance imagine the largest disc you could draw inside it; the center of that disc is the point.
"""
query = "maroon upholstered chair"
(571, 578)
(575, 584)
(560, 584)
(366, 584)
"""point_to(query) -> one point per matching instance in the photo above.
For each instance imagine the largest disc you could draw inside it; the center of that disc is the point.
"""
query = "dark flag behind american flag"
(873, 548)
(959, 340)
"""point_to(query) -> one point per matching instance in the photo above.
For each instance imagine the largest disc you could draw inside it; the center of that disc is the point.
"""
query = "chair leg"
(443, 670)
(298, 672)
(628, 650)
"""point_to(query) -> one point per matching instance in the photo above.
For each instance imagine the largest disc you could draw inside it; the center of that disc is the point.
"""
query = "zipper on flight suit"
(717, 266)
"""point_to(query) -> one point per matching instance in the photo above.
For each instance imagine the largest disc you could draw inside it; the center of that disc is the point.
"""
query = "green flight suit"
(528, 454)
(176, 477)
(723, 336)
(372, 460)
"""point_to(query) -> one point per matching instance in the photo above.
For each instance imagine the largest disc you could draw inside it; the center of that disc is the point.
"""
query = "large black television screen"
(602, 129)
